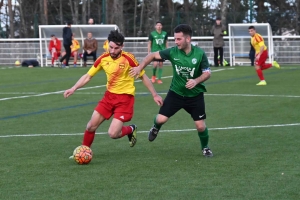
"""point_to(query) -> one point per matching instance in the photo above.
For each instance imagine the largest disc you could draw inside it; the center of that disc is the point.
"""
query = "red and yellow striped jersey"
(117, 72)
(75, 45)
(257, 41)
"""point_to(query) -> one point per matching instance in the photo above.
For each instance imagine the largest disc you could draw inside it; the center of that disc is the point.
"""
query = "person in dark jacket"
(218, 31)
(67, 42)
(252, 54)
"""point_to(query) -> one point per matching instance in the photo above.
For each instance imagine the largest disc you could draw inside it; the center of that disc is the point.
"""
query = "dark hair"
(52, 35)
(184, 28)
(158, 22)
(69, 23)
(116, 37)
(218, 18)
(251, 27)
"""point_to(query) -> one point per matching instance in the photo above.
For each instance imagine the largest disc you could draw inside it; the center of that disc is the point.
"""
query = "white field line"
(85, 88)
(145, 93)
(161, 131)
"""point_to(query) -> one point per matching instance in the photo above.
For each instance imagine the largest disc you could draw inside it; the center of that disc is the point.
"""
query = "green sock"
(156, 125)
(159, 73)
(154, 71)
(203, 138)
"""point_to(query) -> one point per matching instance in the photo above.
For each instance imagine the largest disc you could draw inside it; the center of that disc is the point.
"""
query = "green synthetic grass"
(254, 135)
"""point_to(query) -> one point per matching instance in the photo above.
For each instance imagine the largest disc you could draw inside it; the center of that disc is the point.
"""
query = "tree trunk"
(74, 10)
(83, 15)
(61, 16)
(223, 11)
(42, 18)
(89, 8)
(11, 19)
(23, 28)
(118, 14)
(141, 20)
(171, 14)
(186, 6)
(134, 18)
(46, 11)
(152, 10)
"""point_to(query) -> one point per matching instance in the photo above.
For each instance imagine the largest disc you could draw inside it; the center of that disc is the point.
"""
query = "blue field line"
(89, 103)
(46, 111)
(38, 82)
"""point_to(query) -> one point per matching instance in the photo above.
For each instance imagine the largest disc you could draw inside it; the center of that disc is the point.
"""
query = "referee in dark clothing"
(67, 42)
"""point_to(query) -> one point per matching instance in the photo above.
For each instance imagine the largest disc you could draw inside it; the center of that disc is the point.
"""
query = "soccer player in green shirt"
(158, 40)
(190, 71)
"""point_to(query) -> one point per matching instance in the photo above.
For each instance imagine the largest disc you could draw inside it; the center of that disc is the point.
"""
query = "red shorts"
(72, 53)
(262, 59)
(119, 105)
(57, 53)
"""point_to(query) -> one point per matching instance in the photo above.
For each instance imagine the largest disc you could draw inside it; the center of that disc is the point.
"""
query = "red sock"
(52, 60)
(126, 130)
(266, 66)
(88, 138)
(75, 63)
(260, 74)
(55, 55)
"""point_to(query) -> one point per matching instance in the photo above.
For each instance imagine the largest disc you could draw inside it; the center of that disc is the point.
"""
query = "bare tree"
(223, 11)
(11, 15)
(152, 13)
(46, 11)
(89, 8)
(83, 14)
(134, 18)
(61, 16)
(74, 10)
(118, 14)
(23, 28)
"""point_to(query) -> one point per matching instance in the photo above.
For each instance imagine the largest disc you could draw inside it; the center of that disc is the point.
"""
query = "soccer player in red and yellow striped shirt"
(261, 55)
(118, 100)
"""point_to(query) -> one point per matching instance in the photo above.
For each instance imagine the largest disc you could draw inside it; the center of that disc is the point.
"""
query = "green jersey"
(158, 40)
(186, 66)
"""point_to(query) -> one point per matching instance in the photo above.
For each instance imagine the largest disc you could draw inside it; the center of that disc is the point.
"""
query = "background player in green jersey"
(190, 71)
(158, 40)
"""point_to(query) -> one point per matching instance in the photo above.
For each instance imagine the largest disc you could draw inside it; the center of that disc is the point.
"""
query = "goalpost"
(100, 32)
(239, 42)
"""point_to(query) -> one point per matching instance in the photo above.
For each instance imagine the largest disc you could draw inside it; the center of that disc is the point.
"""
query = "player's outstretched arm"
(80, 83)
(135, 71)
(146, 81)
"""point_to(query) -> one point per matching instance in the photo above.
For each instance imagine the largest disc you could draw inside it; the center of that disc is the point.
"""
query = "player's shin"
(203, 136)
(160, 73)
(88, 138)
(157, 125)
(260, 74)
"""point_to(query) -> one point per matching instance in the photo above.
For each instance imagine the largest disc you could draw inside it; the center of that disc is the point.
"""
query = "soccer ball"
(82, 154)
(17, 63)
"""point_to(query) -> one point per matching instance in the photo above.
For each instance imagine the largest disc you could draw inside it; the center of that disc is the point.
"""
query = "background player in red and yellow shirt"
(261, 55)
(118, 99)
(54, 48)
(74, 50)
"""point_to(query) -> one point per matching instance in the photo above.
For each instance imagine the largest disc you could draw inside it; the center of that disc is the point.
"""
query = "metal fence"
(286, 49)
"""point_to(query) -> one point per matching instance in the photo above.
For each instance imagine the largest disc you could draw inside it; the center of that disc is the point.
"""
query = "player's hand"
(190, 84)
(134, 72)
(158, 100)
(69, 92)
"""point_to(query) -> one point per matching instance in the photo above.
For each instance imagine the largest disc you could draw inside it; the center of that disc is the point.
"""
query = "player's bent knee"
(113, 135)
(201, 128)
(161, 119)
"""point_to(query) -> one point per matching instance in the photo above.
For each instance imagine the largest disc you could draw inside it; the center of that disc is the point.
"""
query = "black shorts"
(173, 102)
(158, 60)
